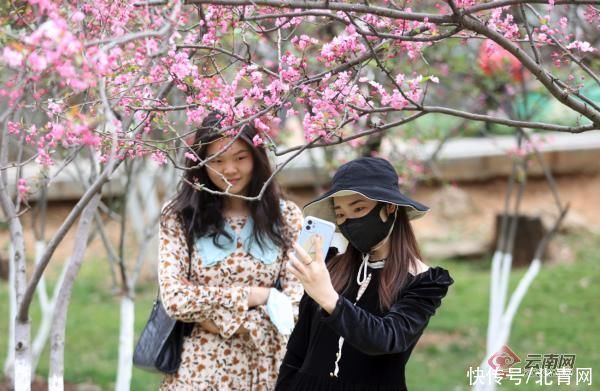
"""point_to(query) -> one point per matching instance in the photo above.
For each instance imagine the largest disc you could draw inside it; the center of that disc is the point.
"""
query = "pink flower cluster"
(399, 99)
(504, 23)
(23, 189)
(342, 47)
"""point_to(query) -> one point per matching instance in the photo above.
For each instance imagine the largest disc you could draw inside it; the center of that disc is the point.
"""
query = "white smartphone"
(316, 226)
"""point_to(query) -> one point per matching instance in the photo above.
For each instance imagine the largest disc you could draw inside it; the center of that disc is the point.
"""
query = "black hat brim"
(322, 207)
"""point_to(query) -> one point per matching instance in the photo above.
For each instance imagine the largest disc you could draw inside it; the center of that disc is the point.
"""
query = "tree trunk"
(502, 329)
(22, 363)
(125, 344)
(57, 335)
(22, 330)
(43, 332)
(12, 313)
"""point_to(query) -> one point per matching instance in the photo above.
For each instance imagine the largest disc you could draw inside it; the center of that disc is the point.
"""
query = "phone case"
(312, 226)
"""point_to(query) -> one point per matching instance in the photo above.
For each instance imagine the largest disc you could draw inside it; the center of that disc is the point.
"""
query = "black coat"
(377, 345)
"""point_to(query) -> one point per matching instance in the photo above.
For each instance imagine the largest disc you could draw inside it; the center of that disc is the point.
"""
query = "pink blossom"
(303, 42)
(582, 46)
(191, 156)
(341, 47)
(357, 142)
(195, 115)
(563, 22)
(14, 128)
(66, 70)
(22, 188)
(396, 100)
(36, 62)
(182, 66)
(55, 107)
(91, 139)
(12, 57)
(160, 157)
(57, 131)
(44, 158)
(257, 141)
(465, 3)
(77, 16)
(77, 84)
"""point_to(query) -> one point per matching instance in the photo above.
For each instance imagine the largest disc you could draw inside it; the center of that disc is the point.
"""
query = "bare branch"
(346, 7)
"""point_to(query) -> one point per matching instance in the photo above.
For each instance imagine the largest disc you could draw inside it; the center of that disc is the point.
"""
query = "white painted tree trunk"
(495, 309)
(22, 364)
(126, 344)
(504, 316)
(22, 330)
(12, 313)
(22, 341)
(58, 328)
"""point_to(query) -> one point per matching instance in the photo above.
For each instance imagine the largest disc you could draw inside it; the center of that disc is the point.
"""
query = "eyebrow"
(235, 153)
(350, 204)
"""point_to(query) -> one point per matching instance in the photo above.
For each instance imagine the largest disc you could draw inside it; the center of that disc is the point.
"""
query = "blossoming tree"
(115, 81)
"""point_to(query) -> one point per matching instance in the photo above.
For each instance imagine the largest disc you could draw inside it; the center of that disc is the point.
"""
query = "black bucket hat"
(374, 178)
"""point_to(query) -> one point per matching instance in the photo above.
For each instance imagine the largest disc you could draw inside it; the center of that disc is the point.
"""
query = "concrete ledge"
(473, 159)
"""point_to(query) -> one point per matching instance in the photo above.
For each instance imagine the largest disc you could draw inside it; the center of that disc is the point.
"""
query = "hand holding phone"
(315, 226)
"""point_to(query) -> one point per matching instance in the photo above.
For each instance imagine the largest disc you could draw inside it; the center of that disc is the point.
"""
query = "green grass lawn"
(558, 315)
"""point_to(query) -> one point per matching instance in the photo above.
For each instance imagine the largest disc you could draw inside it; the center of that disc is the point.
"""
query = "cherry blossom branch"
(534, 49)
(345, 7)
(547, 80)
(83, 202)
(230, 54)
(341, 140)
(576, 60)
(484, 118)
(508, 3)
(410, 37)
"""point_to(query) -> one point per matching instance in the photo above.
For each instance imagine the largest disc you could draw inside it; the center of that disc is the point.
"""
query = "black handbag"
(161, 342)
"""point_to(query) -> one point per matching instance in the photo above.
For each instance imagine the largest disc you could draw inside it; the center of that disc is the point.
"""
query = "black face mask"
(365, 232)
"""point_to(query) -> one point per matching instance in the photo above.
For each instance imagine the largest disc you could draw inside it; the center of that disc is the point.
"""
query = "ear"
(391, 208)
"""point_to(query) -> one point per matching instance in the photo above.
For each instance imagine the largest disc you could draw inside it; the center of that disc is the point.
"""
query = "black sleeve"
(401, 326)
(297, 345)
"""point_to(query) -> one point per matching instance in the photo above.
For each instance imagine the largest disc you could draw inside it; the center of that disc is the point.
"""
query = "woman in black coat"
(363, 311)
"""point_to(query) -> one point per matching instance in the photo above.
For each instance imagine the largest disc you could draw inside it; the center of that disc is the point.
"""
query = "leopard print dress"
(219, 292)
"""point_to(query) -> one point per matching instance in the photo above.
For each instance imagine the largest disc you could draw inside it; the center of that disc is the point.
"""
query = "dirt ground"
(40, 384)
(463, 213)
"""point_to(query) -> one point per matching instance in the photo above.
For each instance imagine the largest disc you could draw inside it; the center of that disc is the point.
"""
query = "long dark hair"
(201, 212)
(404, 252)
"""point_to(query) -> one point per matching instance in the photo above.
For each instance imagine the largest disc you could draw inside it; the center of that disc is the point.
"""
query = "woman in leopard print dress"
(238, 251)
